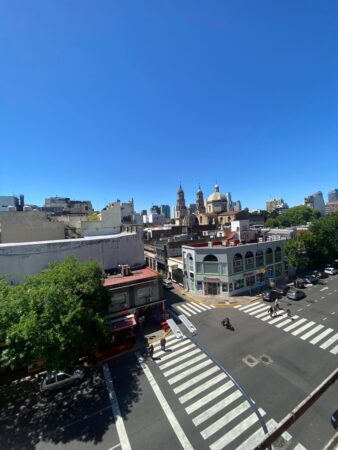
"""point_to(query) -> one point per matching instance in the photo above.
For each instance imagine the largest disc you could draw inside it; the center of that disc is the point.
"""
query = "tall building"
(165, 211)
(237, 206)
(276, 204)
(180, 209)
(200, 206)
(230, 202)
(155, 210)
(11, 202)
(316, 201)
(333, 196)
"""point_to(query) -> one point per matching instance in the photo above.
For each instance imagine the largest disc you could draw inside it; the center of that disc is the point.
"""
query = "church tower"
(200, 207)
(180, 210)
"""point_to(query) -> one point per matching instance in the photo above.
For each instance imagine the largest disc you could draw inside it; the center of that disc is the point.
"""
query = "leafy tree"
(56, 316)
(325, 231)
(298, 215)
(296, 254)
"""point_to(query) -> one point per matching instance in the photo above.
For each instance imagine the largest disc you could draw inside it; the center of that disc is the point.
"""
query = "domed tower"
(217, 202)
(200, 207)
(181, 209)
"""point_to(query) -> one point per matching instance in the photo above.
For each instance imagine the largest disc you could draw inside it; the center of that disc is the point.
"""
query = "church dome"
(217, 196)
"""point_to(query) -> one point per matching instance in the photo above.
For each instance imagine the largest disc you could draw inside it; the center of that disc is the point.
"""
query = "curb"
(220, 305)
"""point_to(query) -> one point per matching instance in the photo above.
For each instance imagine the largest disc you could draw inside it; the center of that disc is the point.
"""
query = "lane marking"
(324, 318)
(311, 332)
(181, 436)
(253, 308)
(192, 308)
(184, 342)
(209, 397)
(295, 325)
(120, 428)
(180, 358)
(184, 365)
(183, 311)
(324, 289)
(280, 325)
(172, 355)
(330, 341)
(334, 351)
(190, 371)
(243, 308)
(202, 307)
(303, 328)
(196, 379)
(321, 336)
(257, 310)
(216, 408)
(202, 387)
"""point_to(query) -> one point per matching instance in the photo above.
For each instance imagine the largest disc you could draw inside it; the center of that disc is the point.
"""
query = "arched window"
(259, 259)
(278, 254)
(210, 264)
(268, 256)
(249, 261)
(238, 263)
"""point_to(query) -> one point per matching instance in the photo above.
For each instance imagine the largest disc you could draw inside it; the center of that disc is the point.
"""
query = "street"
(188, 396)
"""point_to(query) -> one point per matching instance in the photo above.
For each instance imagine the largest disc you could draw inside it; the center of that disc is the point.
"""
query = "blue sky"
(117, 99)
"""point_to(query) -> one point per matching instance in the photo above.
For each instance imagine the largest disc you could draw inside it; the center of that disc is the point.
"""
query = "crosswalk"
(217, 408)
(326, 338)
(192, 308)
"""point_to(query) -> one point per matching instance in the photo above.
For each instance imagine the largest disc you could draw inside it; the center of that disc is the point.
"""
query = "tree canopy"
(298, 215)
(56, 316)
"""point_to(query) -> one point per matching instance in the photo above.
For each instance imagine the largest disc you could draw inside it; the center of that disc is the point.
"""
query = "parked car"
(334, 420)
(167, 284)
(58, 380)
(270, 296)
(299, 283)
(282, 290)
(311, 279)
(320, 274)
(331, 271)
(295, 294)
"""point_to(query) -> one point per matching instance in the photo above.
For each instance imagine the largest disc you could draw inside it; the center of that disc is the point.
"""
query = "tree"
(296, 254)
(56, 316)
(298, 215)
(325, 231)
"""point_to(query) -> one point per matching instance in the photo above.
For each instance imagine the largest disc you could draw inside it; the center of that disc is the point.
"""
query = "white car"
(168, 284)
(331, 271)
(58, 380)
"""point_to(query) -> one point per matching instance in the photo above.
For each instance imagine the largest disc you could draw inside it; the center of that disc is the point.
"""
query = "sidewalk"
(217, 300)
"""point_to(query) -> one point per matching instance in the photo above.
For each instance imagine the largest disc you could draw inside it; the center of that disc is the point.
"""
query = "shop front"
(211, 286)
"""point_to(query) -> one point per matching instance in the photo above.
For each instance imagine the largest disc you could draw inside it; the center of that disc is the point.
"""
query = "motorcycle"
(226, 323)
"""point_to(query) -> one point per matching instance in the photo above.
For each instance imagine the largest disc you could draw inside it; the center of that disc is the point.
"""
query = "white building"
(316, 201)
(29, 258)
(154, 219)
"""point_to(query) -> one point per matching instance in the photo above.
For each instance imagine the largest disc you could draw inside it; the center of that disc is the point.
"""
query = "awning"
(121, 323)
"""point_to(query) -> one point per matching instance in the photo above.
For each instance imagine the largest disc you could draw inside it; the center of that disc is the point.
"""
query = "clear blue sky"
(117, 99)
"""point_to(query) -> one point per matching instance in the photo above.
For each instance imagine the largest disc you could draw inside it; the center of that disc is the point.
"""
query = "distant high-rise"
(276, 204)
(230, 202)
(316, 201)
(333, 196)
(155, 209)
(237, 206)
(165, 210)
(9, 202)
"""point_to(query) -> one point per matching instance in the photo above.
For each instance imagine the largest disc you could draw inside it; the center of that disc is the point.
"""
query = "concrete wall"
(29, 226)
(20, 260)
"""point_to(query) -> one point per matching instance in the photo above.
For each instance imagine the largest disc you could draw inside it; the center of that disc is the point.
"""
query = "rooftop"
(136, 275)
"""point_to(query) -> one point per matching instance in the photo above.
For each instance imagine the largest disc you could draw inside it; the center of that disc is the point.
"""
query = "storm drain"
(250, 361)
(265, 359)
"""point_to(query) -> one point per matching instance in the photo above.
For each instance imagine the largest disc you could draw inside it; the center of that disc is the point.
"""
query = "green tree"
(325, 232)
(296, 254)
(298, 215)
(56, 316)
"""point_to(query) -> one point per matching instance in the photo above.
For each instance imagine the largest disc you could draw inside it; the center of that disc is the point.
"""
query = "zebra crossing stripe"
(167, 356)
(334, 351)
(209, 397)
(321, 336)
(329, 342)
(183, 311)
(311, 332)
(237, 306)
(303, 328)
(170, 346)
(257, 437)
(257, 306)
(258, 309)
(236, 431)
(295, 325)
(190, 371)
(212, 306)
(216, 408)
(243, 308)
(196, 379)
(192, 308)
(299, 447)
(277, 319)
(223, 421)
(180, 358)
(265, 313)
(203, 307)
(202, 387)
(280, 325)
(184, 365)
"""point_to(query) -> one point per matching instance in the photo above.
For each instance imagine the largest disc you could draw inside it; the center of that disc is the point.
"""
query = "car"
(270, 296)
(282, 290)
(167, 284)
(320, 274)
(331, 271)
(334, 420)
(295, 294)
(312, 279)
(57, 380)
(299, 283)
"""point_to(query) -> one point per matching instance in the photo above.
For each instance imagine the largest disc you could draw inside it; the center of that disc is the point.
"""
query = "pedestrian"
(271, 311)
(163, 342)
(288, 312)
(151, 350)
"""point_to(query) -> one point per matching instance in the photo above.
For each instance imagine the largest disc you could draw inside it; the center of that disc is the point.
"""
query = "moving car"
(295, 294)
(331, 271)
(58, 380)
(167, 284)
(299, 283)
(311, 279)
(270, 296)
(282, 290)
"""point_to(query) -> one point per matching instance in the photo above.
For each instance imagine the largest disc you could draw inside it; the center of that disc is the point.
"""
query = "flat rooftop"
(136, 275)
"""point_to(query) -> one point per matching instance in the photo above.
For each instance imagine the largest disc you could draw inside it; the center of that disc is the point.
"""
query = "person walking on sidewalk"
(163, 342)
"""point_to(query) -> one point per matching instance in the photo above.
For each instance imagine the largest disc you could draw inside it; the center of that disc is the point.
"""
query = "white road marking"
(181, 436)
(258, 309)
(224, 420)
(309, 304)
(265, 313)
(303, 328)
(216, 408)
(329, 342)
(311, 332)
(324, 289)
(170, 355)
(329, 293)
(236, 431)
(209, 397)
(334, 312)
(324, 318)
(175, 345)
(253, 308)
(190, 371)
(184, 365)
(202, 387)
(120, 428)
(180, 358)
(321, 336)
(115, 446)
(203, 307)
(300, 309)
(322, 298)
(183, 311)
(295, 325)
(243, 308)
(299, 447)
(192, 308)
(277, 319)
(257, 437)
(334, 350)
(280, 325)
(196, 379)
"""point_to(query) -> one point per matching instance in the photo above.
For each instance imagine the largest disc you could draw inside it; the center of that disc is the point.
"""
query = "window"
(225, 287)
(143, 295)
(62, 376)
(210, 258)
(259, 259)
(239, 284)
(269, 256)
(199, 285)
(249, 261)
(278, 254)
(199, 267)
(50, 379)
(118, 302)
(238, 263)
(223, 268)
(210, 267)
(278, 270)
